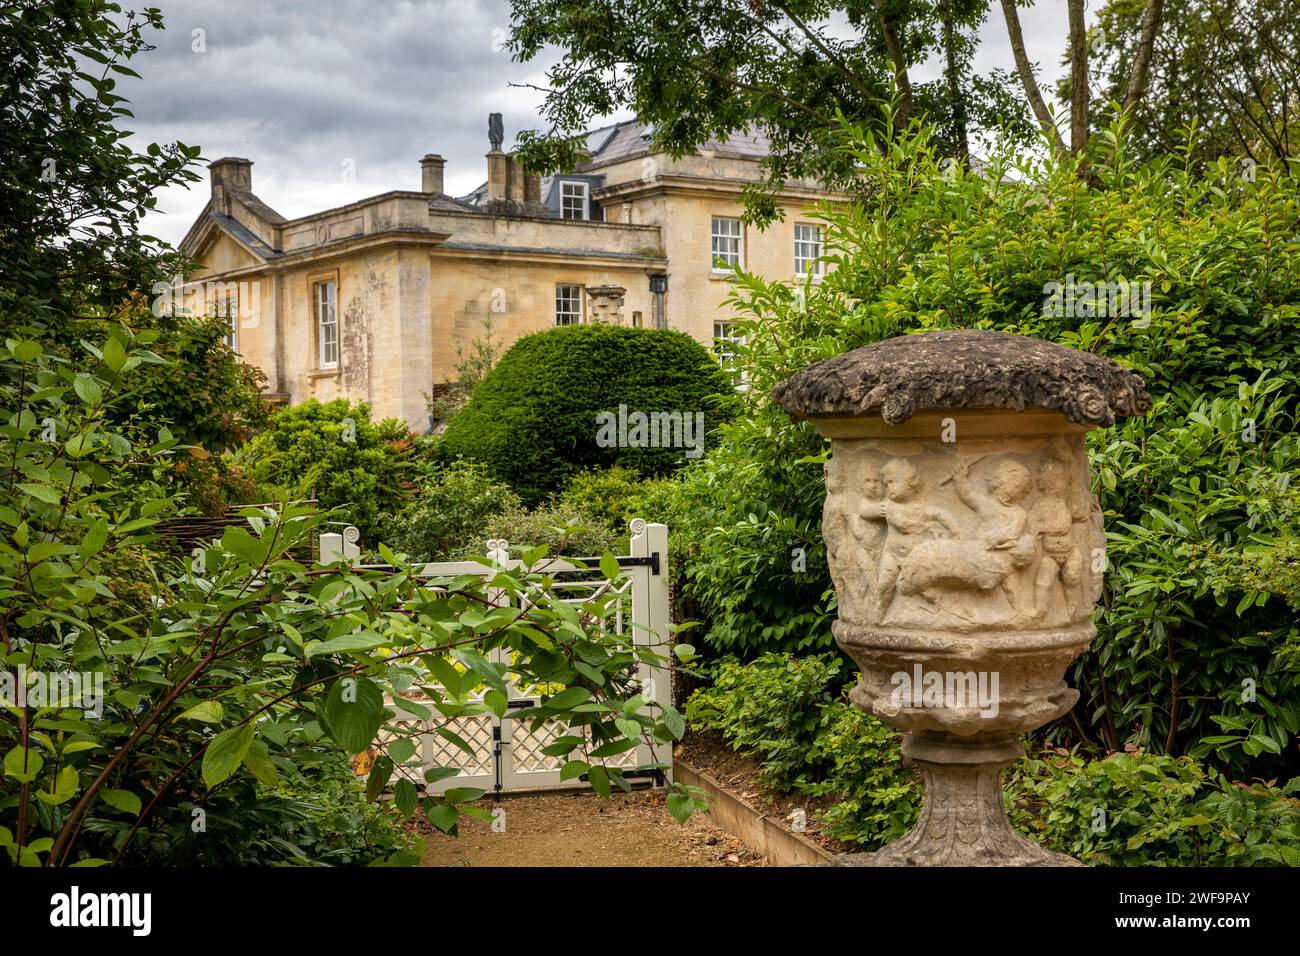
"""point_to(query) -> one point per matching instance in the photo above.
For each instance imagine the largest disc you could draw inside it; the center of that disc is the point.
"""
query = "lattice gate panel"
(507, 753)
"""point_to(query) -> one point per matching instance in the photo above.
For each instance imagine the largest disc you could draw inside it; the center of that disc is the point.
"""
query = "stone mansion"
(371, 300)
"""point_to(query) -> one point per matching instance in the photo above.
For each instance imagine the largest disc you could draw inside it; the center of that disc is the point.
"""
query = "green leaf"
(447, 675)
(26, 350)
(23, 765)
(443, 816)
(497, 702)
(574, 768)
(609, 566)
(405, 797)
(599, 778)
(65, 787)
(567, 698)
(114, 354)
(87, 388)
(463, 794)
(41, 492)
(613, 748)
(123, 800)
(208, 711)
(562, 745)
(258, 762)
(401, 750)
(380, 774)
(353, 712)
(95, 535)
(365, 641)
(435, 774)
(681, 806)
(675, 722)
(243, 545)
(226, 753)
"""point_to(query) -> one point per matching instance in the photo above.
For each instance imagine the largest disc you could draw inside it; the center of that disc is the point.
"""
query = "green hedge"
(461, 506)
(533, 420)
(361, 469)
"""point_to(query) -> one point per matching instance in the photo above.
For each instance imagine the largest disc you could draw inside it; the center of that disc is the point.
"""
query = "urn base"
(963, 821)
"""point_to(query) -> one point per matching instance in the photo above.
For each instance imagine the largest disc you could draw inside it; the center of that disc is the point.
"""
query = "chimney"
(498, 172)
(516, 184)
(229, 174)
(431, 167)
(532, 187)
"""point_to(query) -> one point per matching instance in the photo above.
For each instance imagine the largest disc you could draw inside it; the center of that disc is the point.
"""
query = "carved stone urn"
(966, 550)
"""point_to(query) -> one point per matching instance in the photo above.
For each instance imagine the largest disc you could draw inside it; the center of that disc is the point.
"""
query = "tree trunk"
(956, 99)
(1078, 78)
(899, 59)
(1137, 81)
(1027, 76)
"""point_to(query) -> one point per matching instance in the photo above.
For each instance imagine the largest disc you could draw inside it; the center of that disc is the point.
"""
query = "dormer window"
(575, 200)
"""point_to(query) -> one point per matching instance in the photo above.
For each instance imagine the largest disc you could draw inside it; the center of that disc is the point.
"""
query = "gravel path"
(582, 829)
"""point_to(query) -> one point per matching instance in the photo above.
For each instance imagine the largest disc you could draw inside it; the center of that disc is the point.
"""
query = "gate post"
(650, 620)
(337, 547)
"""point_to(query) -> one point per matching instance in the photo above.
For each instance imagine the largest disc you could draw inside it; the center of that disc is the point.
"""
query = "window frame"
(586, 199)
(818, 267)
(580, 298)
(232, 320)
(738, 238)
(318, 339)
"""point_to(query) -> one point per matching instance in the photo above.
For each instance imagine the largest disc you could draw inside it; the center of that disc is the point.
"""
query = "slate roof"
(619, 141)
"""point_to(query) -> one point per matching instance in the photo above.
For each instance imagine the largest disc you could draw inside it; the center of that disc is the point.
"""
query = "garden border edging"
(759, 831)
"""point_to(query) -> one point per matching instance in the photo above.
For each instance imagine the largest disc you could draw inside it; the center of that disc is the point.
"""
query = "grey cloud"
(302, 87)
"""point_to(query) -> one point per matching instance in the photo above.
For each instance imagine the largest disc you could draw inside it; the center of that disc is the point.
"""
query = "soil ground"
(583, 829)
(708, 752)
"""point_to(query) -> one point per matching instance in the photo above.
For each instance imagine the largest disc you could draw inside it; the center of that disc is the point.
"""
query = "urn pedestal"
(967, 555)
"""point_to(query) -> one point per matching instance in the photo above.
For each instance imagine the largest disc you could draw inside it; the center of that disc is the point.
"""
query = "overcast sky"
(316, 92)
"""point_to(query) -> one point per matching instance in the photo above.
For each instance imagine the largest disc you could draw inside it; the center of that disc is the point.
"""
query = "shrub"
(237, 668)
(562, 530)
(470, 369)
(617, 495)
(792, 714)
(1200, 494)
(533, 419)
(211, 482)
(1151, 810)
(203, 392)
(450, 513)
(360, 468)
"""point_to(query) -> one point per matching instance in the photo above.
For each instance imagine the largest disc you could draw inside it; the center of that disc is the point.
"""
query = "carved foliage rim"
(960, 369)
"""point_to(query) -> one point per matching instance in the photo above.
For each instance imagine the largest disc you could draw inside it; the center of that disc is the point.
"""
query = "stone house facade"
(371, 300)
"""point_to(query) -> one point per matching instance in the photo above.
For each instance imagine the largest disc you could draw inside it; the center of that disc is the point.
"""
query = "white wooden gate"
(507, 754)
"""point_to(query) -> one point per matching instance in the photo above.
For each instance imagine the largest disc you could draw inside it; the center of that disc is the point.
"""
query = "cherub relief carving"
(836, 518)
(1060, 569)
(985, 558)
(994, 547)
(909, 523)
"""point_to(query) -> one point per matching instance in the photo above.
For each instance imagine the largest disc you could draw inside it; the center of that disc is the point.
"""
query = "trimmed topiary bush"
(533, 421)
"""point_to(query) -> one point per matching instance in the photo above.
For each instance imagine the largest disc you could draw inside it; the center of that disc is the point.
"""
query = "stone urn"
(966, 550)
